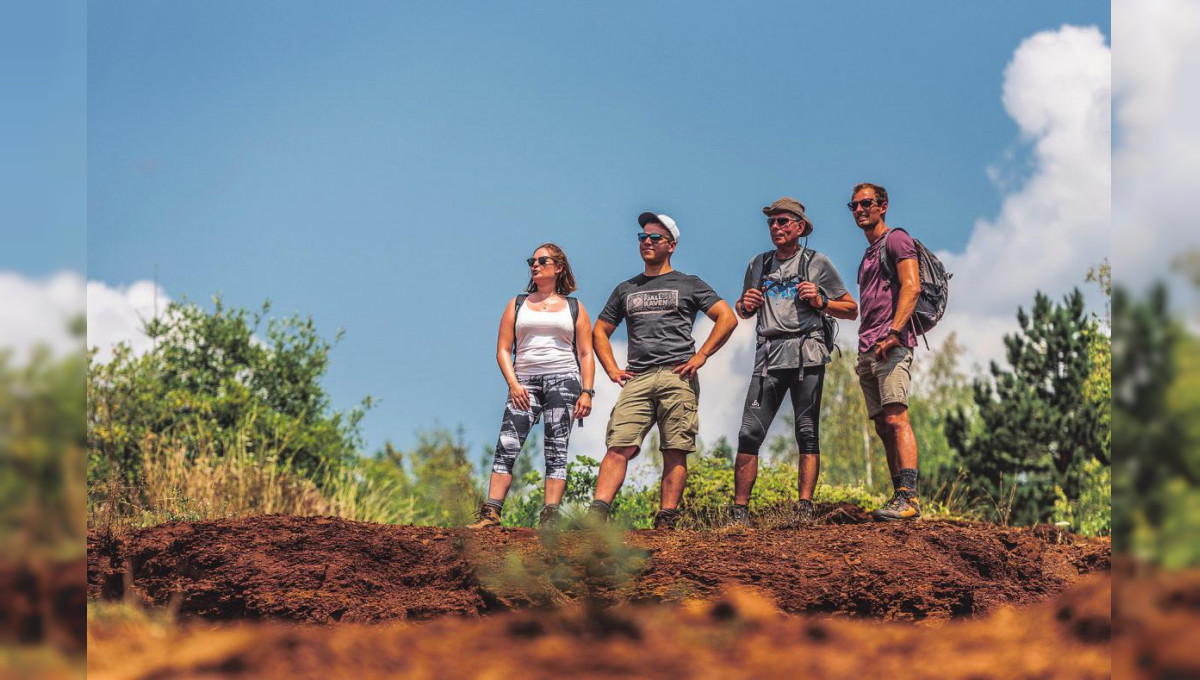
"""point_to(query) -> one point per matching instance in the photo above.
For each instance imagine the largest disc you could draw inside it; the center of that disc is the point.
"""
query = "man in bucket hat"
(791, 290)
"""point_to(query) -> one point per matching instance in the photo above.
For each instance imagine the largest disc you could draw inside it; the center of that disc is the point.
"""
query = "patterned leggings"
(553, 397)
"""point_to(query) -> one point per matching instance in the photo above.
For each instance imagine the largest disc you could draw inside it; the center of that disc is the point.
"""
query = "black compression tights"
(764, 398)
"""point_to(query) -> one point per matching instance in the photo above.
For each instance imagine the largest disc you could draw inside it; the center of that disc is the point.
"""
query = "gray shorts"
(887, 381)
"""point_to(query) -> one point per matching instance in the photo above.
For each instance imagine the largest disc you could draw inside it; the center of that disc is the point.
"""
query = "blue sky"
(386, 167)
(43, 136)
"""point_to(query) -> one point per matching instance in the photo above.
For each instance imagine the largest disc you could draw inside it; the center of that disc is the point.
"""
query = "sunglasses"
(543, 260)
(654, 238)
(865, 204)
(780, 221)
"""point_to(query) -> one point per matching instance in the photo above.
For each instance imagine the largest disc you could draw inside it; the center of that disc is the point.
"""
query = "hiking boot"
(666, 519)
(597, 513)
(548, 519)
(904, 504)
(806, 512)
(739, 516)
(489, 516)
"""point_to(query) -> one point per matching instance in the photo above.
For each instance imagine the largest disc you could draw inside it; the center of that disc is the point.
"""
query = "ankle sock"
(499, 505)
(908, 479)
(895, 482)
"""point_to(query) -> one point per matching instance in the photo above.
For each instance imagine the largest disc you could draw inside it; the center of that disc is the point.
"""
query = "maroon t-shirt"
(877, 295)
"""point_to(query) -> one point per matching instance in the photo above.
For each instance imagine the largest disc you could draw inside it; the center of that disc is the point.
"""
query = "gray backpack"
(935, 285)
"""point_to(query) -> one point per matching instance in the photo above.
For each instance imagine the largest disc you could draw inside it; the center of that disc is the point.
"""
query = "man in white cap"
(659, 382)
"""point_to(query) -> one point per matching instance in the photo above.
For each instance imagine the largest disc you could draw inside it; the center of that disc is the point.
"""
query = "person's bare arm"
(504, 344)
(909, 274)
(842, 308)
(724, 321)
(587, 362)
(603, 351)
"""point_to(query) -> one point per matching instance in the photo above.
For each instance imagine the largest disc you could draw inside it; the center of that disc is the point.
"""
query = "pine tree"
(1035, 426)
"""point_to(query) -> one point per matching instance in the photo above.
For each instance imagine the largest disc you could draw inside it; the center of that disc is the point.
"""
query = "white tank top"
(544, 342)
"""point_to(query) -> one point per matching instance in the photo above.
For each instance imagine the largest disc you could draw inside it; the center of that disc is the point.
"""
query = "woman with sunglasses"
(544, 349)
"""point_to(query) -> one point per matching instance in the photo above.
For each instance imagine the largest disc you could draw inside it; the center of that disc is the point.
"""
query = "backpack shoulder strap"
(885, 262)
(573, 305)
(517, 310)
(806, 257)
(764, 261)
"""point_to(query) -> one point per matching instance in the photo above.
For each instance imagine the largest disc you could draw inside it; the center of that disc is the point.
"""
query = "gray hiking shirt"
(784, 313)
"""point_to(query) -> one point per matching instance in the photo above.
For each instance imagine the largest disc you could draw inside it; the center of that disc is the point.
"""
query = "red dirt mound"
(323, 570)
(1156, 622)
(43, 602)
(739, 634)
(305, 569)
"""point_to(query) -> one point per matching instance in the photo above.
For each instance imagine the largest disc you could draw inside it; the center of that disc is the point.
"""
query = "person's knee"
(751, 436)
(881, 427)
(808, 437)
(673, 458)
(626, 452)
(894, 418)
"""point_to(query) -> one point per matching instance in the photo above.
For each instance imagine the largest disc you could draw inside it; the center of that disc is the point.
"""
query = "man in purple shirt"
(886, 340)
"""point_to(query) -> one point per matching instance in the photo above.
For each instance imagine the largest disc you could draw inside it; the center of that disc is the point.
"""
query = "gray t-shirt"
(784, 313)
(661, 311)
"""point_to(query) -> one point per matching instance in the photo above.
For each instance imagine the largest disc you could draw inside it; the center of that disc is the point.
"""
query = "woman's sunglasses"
(543, 260)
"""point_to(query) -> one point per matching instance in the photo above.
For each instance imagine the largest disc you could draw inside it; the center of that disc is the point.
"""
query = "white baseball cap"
(665, 220)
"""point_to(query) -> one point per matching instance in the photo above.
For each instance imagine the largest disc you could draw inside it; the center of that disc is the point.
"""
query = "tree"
(1035, 427)
(217, 381)
(42, 499)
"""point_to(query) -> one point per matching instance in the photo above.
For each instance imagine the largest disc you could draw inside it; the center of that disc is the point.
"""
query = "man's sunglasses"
(780, 221)
(654, 238)
(865, 204)
(543, 260)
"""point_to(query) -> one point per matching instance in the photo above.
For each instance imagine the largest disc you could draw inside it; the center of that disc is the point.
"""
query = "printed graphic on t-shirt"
(781, 290)
(652, 302)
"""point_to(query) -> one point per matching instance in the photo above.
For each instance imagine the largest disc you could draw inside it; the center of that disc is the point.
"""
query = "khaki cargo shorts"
(887, 381)
(656, 397)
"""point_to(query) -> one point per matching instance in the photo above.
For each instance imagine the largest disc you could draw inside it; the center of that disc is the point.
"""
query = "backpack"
(572, 304)
(828, 324)
(935, 285)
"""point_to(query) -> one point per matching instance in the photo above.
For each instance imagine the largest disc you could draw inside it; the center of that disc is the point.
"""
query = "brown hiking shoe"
(904, 504)
(489, 516)
(549, 517)
(666, 519)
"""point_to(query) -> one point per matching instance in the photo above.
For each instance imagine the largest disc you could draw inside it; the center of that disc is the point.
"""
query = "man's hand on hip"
(620, 376)
(692, 366)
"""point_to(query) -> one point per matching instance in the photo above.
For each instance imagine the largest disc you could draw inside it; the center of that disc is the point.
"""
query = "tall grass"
(178, 483)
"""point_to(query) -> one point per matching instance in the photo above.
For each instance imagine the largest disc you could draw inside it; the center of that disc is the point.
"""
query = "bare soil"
(326, 570)
(739, 633)
(43, 602)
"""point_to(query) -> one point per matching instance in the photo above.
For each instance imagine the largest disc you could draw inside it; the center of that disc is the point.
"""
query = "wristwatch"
(893, 331)
(590, 393)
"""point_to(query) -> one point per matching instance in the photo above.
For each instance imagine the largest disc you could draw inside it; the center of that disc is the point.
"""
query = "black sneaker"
(666, 519)
(549, 517)
(903, 504)
(739, 516)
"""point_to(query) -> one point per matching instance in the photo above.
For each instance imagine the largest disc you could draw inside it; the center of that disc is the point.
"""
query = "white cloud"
(116, 315)
(39, 312)
(1157, 159)
(1057, 88)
